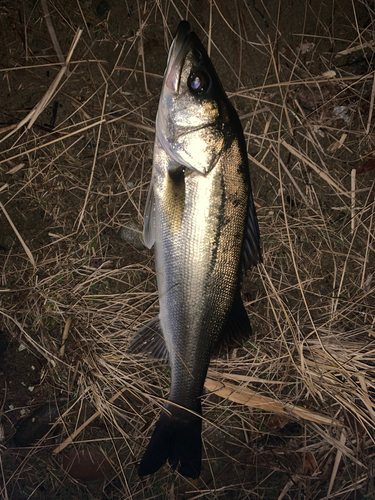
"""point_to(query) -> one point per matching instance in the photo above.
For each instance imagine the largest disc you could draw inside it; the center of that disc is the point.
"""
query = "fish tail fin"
(177, 440)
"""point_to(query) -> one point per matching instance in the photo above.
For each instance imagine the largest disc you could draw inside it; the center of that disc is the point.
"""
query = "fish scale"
(201, 218)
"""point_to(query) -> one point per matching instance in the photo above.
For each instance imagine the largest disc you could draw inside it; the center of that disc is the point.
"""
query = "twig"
(353, 182)
(52, 34)
(70, 438)
(254, 160)
(38, 108)
(311, 164)
(64, 337)
(307, 202)
(4, 490)
(95, 157)
(54, 64)
(209, 32)
(361, 46)
(337, 462)
(51, 142)
(371, 106)
(25, 247)
(141, 50)
(286, 488)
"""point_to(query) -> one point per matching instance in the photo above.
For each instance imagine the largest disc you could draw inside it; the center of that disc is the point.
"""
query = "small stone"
(132, 233)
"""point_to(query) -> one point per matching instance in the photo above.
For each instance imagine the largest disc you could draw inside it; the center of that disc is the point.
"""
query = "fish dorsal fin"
(237, 329)
(251, 253)
(149, 340)
(149, 218)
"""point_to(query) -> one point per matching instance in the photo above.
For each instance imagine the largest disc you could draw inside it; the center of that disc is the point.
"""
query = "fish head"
(191, 116)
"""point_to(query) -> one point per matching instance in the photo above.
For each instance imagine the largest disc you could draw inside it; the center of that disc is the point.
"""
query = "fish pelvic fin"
(149, 340)
(178, 440)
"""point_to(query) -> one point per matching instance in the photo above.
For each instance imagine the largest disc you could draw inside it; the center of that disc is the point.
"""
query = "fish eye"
(198, 82)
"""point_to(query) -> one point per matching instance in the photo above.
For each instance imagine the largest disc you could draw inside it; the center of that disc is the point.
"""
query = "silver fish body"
(201, 219)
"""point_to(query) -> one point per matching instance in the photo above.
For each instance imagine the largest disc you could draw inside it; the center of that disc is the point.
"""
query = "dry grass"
(291, 414)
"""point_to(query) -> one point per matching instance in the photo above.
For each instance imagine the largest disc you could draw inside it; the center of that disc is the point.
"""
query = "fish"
(201, 219)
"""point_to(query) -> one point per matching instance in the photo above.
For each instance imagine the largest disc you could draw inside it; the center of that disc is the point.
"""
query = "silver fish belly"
(200, 217)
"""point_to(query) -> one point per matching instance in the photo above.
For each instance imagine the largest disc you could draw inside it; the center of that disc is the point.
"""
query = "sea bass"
(200, 217)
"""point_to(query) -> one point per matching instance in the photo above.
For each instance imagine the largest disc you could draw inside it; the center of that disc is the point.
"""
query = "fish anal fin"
(149, 340)
(177, 440)
(237, 329)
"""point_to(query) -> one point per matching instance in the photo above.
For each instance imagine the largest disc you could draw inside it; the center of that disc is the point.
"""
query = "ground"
(291, 413)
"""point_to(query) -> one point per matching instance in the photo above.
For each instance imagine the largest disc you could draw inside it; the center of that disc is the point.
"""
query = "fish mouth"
(176, 56)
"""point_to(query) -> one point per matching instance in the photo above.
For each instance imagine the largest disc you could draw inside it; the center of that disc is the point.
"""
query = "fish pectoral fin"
(237, 329)
(149, 340)
(251, 254)
(149, 218)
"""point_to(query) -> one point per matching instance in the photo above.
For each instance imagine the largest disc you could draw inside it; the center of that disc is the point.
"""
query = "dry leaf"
(367, 166)
(252, 399)
(277, 422)
(329, 74)
(310, 465)
(367, 283)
